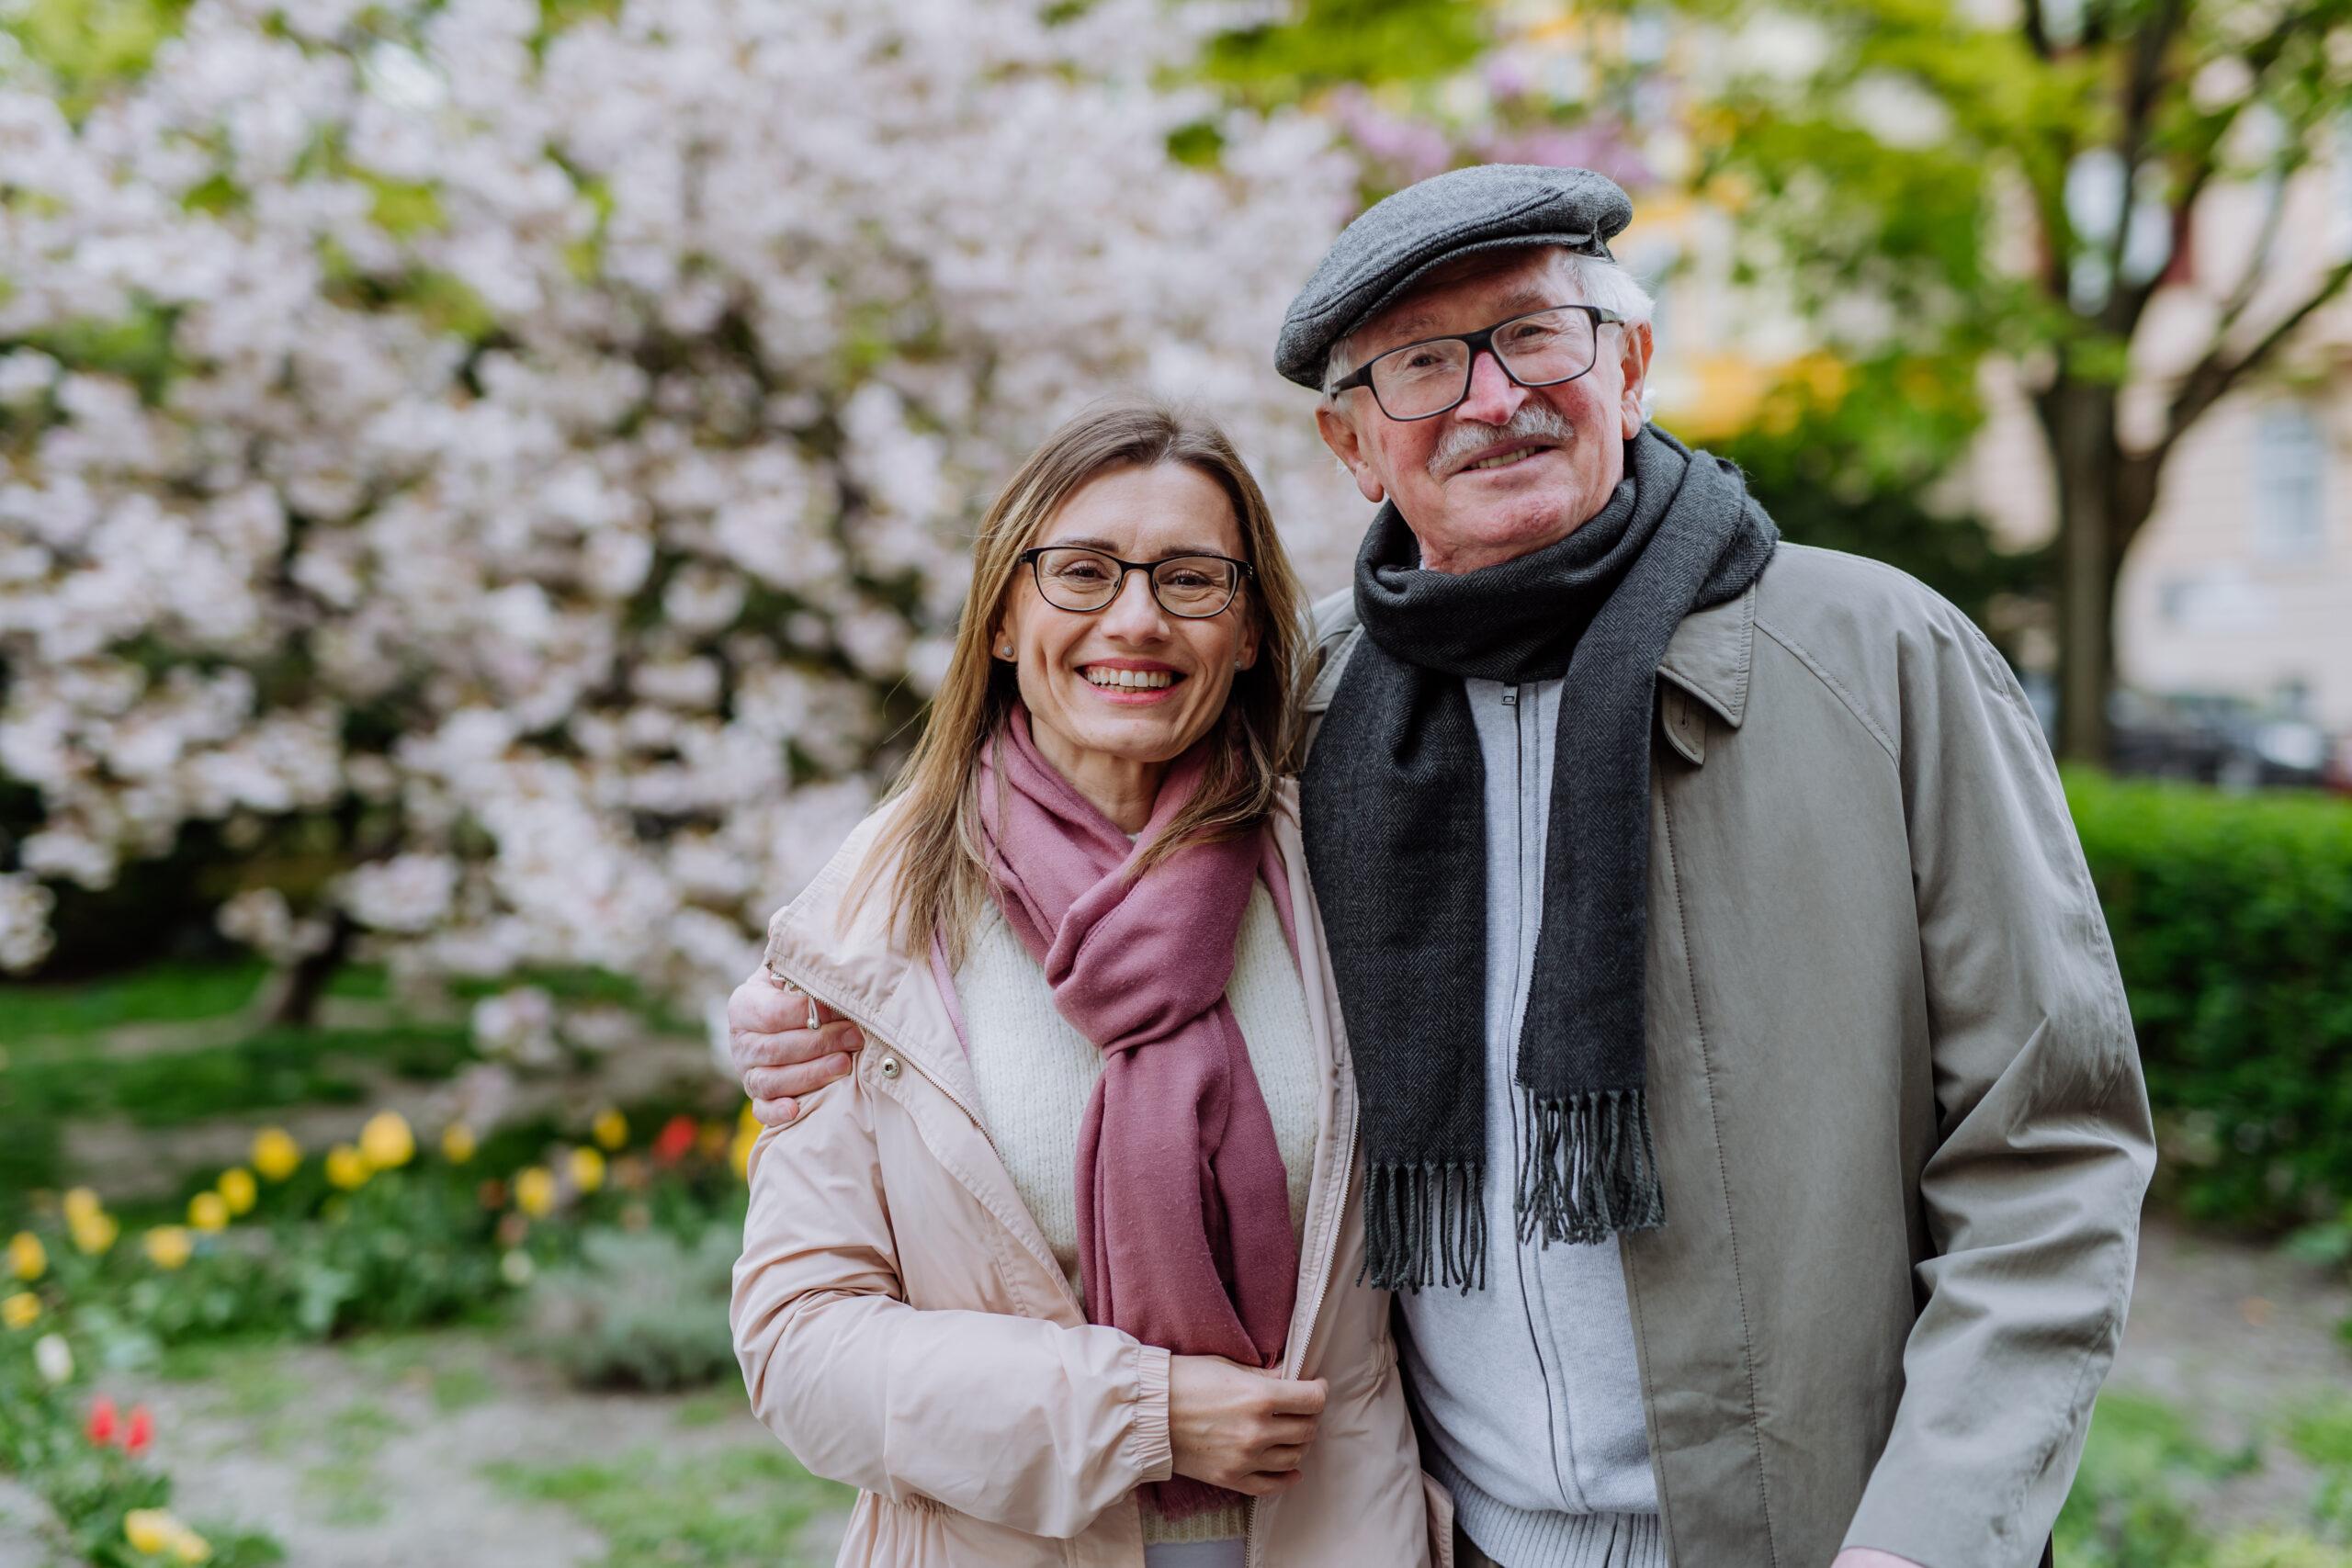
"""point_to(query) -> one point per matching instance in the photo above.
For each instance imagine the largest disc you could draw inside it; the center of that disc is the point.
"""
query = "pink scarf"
(1184, 1235)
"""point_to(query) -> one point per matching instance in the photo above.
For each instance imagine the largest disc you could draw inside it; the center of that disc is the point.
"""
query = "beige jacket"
(903, 1327)
(1900, 1120)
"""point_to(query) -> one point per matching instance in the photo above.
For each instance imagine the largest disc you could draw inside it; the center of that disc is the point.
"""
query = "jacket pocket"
(1440, 1504)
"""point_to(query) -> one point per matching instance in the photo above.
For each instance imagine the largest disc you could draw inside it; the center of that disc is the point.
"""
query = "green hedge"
(2232, 922)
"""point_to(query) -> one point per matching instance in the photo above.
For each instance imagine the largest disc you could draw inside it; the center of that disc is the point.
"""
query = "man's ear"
(1346, 445)
(1636, 363)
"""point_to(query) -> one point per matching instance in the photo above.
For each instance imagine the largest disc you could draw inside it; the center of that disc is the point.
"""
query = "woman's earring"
(1005, 652)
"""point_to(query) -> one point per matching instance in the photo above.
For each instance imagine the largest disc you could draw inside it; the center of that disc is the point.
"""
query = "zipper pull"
(1510, 696)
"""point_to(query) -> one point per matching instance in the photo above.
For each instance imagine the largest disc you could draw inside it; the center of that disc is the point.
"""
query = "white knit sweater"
(1035, 1074)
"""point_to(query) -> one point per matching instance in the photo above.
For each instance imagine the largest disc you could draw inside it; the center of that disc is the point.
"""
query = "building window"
(2175, 597)
(2289, 478)
(2340, 220)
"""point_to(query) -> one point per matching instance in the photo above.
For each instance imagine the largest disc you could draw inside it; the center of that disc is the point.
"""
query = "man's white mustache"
(1534, 421)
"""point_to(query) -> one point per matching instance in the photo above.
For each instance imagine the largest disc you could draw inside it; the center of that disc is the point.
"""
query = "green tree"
(1925, 139)
(1851, 468)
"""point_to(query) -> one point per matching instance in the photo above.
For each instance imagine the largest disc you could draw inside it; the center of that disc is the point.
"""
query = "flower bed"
(374, 1233)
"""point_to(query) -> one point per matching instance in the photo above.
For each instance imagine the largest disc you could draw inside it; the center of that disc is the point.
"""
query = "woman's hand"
(785, 1043)
(1237, 1427)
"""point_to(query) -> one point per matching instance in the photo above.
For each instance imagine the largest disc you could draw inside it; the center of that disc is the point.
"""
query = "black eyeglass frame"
(1480, 341)
(1244, 572)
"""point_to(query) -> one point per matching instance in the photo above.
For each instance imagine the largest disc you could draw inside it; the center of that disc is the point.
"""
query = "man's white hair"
(1596, 281)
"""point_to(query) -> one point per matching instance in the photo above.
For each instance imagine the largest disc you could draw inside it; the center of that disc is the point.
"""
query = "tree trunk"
(296, 1004)
(2078, 422)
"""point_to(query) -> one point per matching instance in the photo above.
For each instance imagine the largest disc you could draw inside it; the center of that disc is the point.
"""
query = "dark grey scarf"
(1395, 841)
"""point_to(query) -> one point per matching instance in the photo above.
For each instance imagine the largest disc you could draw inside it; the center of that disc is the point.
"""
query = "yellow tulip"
(535, 1190)
(611, 1128)
(28, 1258)
(740, 1155)
(168, 1247)
(276, 1154)
(587, 1170)
(347, 1166)
(95, 1232)
(21, 1310)
(457, 1142)
(153, 1532)
(149, 1529)
(208, 1212)
(748, 1119)
(238, 1190)
(81, 1204)
(387, 1141)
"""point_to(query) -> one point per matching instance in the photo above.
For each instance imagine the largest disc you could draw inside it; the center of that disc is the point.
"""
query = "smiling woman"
(1095, 607)
(1065, 1268)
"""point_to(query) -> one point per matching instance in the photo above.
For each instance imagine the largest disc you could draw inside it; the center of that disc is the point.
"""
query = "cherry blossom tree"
(536, 462)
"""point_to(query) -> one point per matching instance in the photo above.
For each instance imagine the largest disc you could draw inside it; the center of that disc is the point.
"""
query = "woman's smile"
(1131, 682)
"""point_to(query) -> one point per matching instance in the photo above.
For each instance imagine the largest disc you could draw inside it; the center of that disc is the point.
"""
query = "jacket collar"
(1710, 655)
(848, 952)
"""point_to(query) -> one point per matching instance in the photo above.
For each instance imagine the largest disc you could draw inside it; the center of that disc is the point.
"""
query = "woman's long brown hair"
(942, 877)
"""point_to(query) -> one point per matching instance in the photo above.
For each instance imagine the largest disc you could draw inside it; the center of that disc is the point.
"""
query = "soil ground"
(461, 1448)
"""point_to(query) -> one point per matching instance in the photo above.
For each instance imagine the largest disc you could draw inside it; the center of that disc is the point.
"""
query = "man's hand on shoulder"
(1871, 1557)
(779, 1054)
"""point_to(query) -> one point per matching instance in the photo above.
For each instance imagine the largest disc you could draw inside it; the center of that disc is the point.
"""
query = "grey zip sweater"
(1529, 1393)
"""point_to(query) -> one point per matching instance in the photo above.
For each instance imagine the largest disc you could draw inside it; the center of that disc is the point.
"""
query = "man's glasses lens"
(1192, 586)
(1424, 378)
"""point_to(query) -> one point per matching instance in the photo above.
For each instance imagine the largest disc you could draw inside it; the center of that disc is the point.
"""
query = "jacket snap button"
(889, 1067)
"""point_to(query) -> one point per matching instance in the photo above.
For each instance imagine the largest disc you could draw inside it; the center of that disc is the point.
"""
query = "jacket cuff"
(1149, 1448)
(1943, 1532)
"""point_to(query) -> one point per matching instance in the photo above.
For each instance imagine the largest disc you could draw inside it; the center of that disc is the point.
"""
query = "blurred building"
(2241, 583)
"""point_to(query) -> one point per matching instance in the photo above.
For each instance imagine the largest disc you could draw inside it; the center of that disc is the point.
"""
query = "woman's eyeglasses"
(1076, 577)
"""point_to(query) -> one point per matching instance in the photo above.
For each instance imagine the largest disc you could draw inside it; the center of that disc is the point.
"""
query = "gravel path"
(382, 1453)
(2239, 1338)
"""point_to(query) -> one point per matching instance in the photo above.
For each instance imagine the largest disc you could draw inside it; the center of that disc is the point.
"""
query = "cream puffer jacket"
(903, 1327)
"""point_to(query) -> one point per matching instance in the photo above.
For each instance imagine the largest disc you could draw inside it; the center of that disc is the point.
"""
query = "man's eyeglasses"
(1193, 588)
(1543, 348)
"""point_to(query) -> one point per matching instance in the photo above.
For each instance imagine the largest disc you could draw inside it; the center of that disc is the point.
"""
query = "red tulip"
(100, 1427)
(140, 1432)
(675, 1141)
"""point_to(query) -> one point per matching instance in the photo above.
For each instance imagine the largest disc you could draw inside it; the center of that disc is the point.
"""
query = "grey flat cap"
(1396, 241)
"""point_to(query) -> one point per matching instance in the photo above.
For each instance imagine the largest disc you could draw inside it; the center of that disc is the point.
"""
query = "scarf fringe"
(1587, 1168)
(1425, 1225)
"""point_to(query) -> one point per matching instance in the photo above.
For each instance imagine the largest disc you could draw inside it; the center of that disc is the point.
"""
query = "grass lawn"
(171, 992)
(179, 1044)
(727, 1511)
(465, 1446)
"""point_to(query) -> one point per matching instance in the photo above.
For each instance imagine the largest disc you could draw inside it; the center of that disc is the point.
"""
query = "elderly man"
(1752, 1125)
